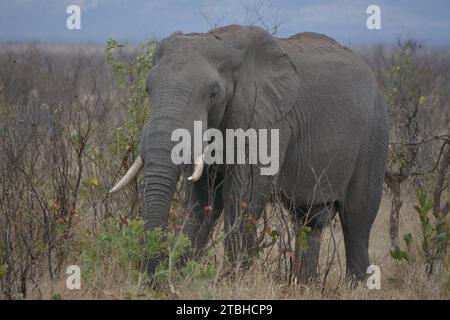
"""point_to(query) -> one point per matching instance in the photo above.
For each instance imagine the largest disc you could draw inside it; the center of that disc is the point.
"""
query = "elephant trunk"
(160, 180)
(159, 186)
(160, 174)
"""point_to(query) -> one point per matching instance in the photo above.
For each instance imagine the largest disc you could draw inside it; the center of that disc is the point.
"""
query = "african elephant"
(333, 136)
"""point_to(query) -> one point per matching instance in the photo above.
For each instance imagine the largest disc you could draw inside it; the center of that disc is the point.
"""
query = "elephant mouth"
(139, 164)
(257, 152)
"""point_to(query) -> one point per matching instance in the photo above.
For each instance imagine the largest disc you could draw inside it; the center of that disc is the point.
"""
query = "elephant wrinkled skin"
(333, 129)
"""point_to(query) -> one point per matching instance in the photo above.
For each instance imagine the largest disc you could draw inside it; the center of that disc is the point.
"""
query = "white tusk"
(132, 172)
(198, 169)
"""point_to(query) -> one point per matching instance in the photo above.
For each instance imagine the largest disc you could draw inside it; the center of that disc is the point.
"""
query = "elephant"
(333, 138)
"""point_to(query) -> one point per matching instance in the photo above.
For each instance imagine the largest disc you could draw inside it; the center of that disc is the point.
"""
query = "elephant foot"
(304, 274)
(149, 266)
(355, 279)
(305, 268)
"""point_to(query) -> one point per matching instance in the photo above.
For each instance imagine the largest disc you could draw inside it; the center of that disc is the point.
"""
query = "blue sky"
(138, 20)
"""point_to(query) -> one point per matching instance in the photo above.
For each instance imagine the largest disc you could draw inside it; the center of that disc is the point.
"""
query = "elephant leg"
(240, 234)
(307, 244)
(245, 195)
(240, 237)
(356, 239)
(357, 216)
(204, 206)
(305, 267)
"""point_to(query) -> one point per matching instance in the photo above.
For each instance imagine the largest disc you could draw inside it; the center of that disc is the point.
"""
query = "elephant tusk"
(198, 169)
(132, 172)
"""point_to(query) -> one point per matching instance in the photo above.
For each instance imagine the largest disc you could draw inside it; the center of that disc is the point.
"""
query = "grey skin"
(333, 137)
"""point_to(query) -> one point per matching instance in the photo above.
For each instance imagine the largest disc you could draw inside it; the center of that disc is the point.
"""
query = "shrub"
(118, 249)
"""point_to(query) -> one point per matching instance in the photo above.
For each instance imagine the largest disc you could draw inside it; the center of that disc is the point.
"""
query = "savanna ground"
(70, 120)
(399, 280)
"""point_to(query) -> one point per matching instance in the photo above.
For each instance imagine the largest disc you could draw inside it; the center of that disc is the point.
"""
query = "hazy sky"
(138, 20)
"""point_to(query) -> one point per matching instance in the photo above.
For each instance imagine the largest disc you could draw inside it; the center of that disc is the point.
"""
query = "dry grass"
(72, 75)
(400, 280)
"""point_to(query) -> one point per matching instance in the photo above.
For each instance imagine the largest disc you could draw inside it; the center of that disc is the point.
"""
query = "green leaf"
(274, 233)
(398, 254)
(408, 239)
(3, 269)
(302, 237)
(394, 280)
(56, 296)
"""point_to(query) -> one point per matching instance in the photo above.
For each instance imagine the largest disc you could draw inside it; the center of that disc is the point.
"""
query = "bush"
(119, 249)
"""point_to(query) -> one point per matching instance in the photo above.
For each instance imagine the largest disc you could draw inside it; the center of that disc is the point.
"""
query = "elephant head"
(231, 77)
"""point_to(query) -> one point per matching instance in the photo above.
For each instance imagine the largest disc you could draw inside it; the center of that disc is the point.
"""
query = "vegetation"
(70, 122)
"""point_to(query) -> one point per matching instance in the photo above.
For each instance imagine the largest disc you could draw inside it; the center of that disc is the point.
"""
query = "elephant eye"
(214, 93)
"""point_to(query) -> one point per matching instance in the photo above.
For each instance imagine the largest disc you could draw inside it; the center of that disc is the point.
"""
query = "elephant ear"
(267, 83)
